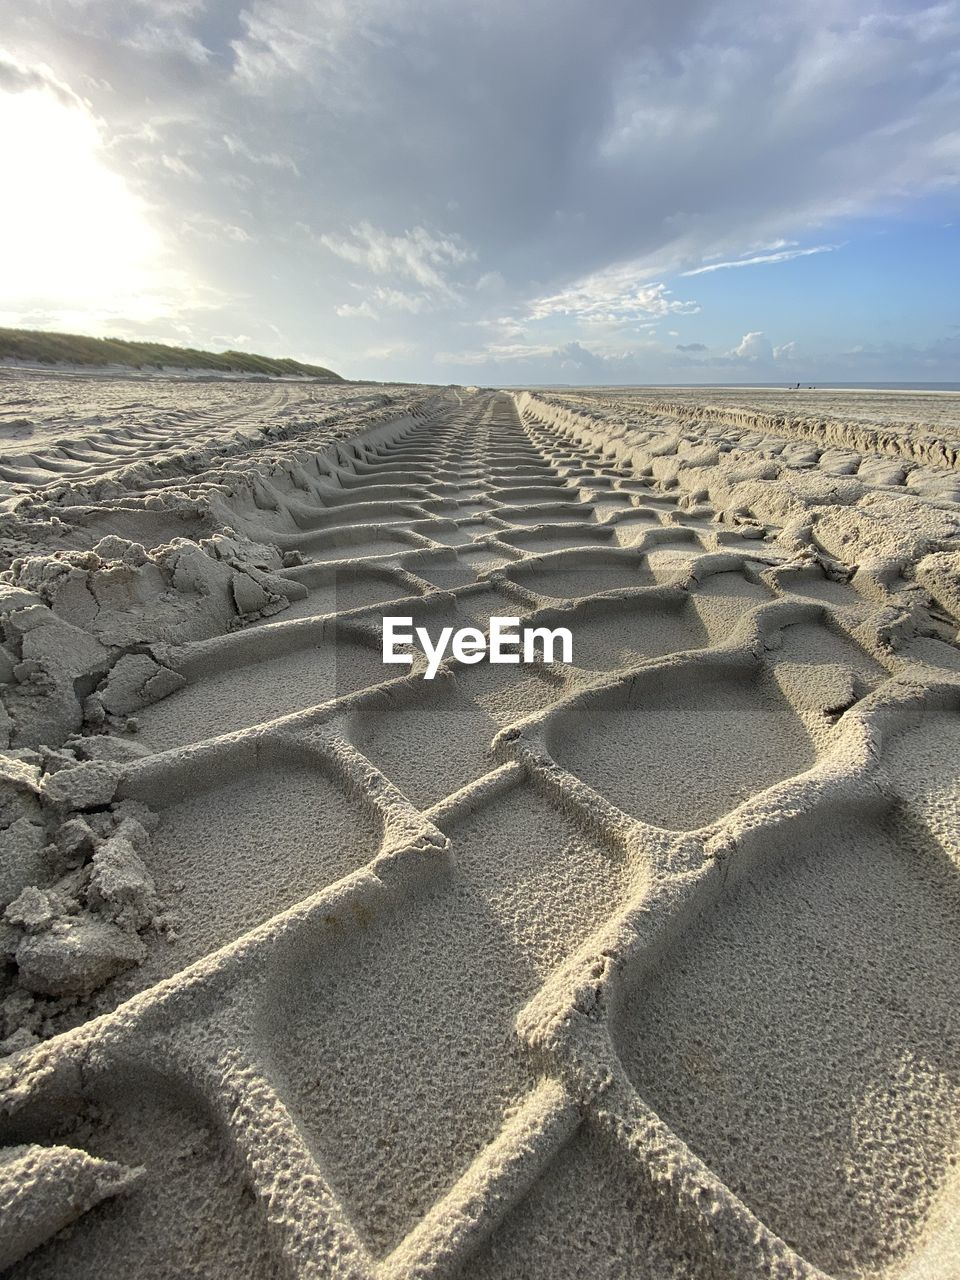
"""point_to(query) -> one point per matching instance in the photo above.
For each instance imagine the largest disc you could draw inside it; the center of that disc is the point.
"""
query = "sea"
(944, 387)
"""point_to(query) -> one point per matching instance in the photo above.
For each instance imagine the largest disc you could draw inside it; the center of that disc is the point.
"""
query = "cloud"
(398, 300)
(754, 346)
(272, 159)
(18, 77)
(417, 255)
(902, 361)
(615, 294)
(691, 346)
(203, 227)
(359, 311)
(555, 164)
(491, 282)
(582, 363)
(390, 351)
(785, 255)
(178, 166)
(787, 351)
(170, 38)
(496, 353)
(757, 347)
(88, 251)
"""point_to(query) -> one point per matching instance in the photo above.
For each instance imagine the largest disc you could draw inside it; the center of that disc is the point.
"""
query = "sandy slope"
(640, 967)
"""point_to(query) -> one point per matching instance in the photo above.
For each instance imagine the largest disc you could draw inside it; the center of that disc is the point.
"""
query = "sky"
(558, 191)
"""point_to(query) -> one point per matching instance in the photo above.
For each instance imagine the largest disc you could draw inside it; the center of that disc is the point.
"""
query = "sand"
(642, 966)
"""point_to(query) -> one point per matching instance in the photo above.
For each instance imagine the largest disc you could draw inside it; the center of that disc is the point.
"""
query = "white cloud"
(272, 159)
(581, 362)
(785, 255)
(204, 227)
(495, 352)
(417, 255)
(178, 166)
(612, 295)
(360, 311)
(491, 282)
(169, 38)
(18, 76)
(754, 346)
(390, 351)
(398, 300)
(290, 44)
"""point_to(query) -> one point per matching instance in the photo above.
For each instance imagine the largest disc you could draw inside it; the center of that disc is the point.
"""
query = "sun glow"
(75, 239)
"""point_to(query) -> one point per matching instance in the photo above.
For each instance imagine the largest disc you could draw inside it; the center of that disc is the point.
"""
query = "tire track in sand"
(533, 971)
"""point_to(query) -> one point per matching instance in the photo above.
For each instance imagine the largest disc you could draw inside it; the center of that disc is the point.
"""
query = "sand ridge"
(538, 971)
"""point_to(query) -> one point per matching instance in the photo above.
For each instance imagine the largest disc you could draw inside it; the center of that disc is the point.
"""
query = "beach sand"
(641, 966)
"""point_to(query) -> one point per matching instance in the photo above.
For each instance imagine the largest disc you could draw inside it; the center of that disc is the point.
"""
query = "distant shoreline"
(857, 388)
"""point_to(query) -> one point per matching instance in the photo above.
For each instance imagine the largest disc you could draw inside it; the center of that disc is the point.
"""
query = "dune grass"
(40, 347)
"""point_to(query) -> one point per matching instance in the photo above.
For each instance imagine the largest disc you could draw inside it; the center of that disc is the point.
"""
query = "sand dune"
(641, 966)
